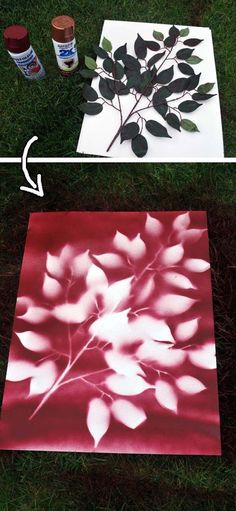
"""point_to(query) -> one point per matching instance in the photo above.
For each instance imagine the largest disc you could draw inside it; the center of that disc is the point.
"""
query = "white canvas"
(97, 131)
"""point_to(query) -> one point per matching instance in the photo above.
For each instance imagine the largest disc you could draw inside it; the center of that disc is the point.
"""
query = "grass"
(73, 481)
(49, 109)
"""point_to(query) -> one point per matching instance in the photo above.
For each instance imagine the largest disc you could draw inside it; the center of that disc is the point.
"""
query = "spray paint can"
(18, 45)
(63, 38)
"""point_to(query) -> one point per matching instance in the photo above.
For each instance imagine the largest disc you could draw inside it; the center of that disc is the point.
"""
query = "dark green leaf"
(122, 50)
(158, 35)
(89, 93)
(118, 88)
(133, 78)
(139, 146)
(184, 32)
(170, 41)
(193, 81)
(174, 32)
(184, 54)
(131, 62)
(205, 88)
(105, 90)
(106, 44)
(156, 129)
(90, 63)
(118, 71)
(192, 42)
(140, 48)
(188, 106)
(165, 76)
(153, 60)
(194, 60)
(162, 93)
(91, 108)
(162, 108)
(178, 85)
(185, 69)
(144, 85)
(108, 65)
(129, 131)
(152, 45)
(202, 97)
(188, 125)
(100, 52)
(173, 121)
(88, 73)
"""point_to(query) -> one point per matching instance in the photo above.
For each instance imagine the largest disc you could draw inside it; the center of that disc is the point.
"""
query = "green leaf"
(152, 45)
(184, 54)
(185, 69)
(162, 93)
(100, 52)
(118, 88)
(188, 106)
(184, 32)
(122, 50)
(89, 93)
(158, 35)
(140, 48)
(108, 65)
(174, 32)
(194, 59)
(173, 121)
(202, 97)
(205, 88)
(91, 108)
(162, 108)
(88, 73)
(106, 44)
(90, 63)
(165, 76)
(118, 71)
(139, 146)
(153, 60)
(129, 131)
(178, 85)
(193, 81)
(188, 125)
(169, 41)
(105, 90)
(156, 129)
(192, 42)
(131, 62)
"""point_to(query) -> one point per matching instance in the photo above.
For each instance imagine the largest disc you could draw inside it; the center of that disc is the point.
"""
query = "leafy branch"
(151, 86)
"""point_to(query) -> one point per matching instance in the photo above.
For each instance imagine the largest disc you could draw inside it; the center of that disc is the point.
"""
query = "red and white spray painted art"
(113, 346)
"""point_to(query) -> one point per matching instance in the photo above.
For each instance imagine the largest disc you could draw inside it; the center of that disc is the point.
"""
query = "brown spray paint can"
(63, 38)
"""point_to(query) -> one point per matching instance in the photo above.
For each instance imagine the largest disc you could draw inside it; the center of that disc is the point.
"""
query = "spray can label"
(67, 56)
(29, 64)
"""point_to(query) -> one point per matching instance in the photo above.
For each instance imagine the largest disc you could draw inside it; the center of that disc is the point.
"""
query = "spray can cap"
(63, 29)
(16, 38)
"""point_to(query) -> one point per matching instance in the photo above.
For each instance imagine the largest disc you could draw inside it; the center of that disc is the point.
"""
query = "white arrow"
(35, 188)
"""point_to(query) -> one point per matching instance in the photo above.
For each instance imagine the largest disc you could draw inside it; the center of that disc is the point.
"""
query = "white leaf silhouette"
(96, 279)
(51, 287)
(148, 327)
(22, 305)
(36, 315)
(153, 226)
(44, 377)
(19, 370)
(190, 385)
(126, 386)
(54, 266)
(116, 293)
(166, 396)
(172, 255)
(110, 260)
(112, 327)
(127, 413)
(146, 291)
(75, 312)
(121, 242)
(98, 419)
(204, 357)
(66, 255)
(161, 354)
(190, 235)
(181, 222)
(33, 341)
(170, 304)
(186, 330)
(135, 249)
(178, 280)
(81, 264)
(122, 364)
(196, 265)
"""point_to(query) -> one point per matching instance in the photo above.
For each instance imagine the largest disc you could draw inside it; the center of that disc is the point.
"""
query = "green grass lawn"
(72, 481)
(49, 109)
